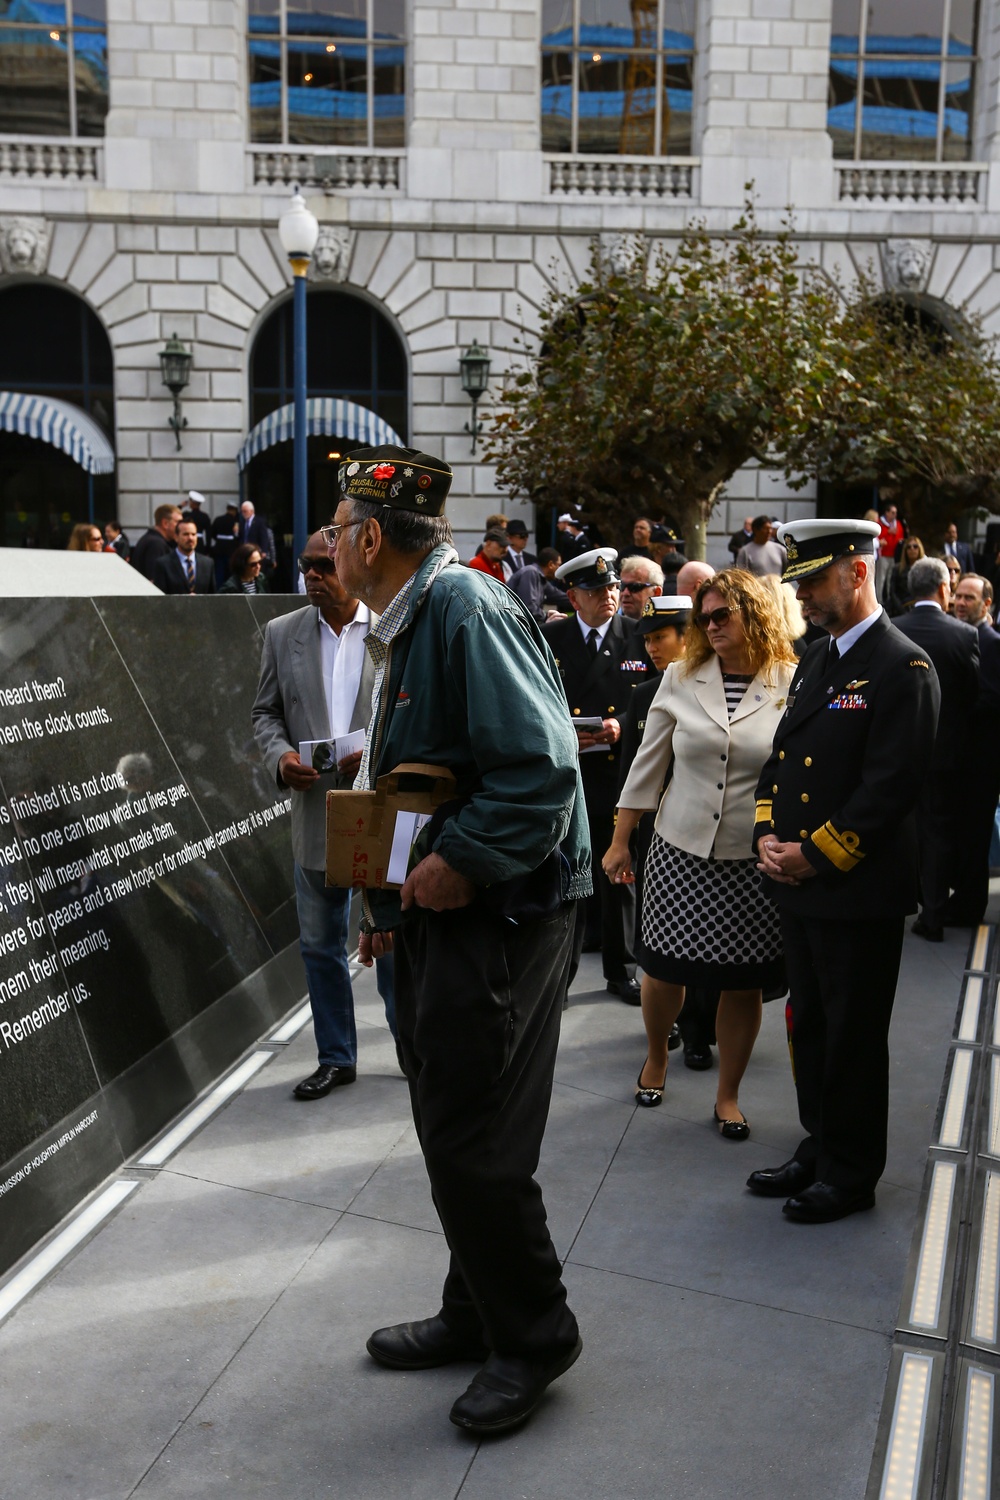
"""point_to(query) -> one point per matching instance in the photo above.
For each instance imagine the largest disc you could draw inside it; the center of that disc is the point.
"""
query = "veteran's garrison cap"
(664, 610)
(814, 545)
(401, 478)
(591, 570)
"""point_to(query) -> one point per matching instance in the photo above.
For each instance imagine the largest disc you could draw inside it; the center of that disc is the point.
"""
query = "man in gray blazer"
(315, 684)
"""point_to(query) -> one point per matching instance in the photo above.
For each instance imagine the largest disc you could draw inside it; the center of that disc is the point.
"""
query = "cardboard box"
(360, 825)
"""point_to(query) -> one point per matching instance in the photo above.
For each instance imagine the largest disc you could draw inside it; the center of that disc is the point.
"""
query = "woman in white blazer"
(705, 918)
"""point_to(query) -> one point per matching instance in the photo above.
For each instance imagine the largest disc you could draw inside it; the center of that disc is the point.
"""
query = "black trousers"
(842, 977)
(979, 789)
(478, 1009)
(610, 912)
(942, 834)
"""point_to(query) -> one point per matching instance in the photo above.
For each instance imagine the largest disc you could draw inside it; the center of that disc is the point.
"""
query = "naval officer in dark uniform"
(835, 833)
(600, 661)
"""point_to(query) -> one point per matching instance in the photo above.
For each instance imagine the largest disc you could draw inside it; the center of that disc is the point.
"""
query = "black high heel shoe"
(649, 1098)
(731, 1130)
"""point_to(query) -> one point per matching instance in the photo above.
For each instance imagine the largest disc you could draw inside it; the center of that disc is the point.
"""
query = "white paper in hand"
(408, 825)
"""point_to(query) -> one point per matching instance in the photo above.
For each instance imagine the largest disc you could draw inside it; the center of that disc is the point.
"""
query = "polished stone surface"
(209, 1340)
(145, 880)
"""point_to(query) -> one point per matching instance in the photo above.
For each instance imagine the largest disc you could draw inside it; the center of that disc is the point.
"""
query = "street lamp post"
(299, 230)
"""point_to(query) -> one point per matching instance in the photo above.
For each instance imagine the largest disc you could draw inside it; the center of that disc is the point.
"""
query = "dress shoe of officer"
(674, 1039)
(924, 930)
(626, 989)
(423, 1345)
(777, 1182)
(698, 1057)
(822, 1203)
(507, 1390)
(325, 1078)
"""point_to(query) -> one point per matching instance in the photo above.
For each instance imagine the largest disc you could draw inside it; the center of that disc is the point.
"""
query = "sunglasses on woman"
(717, 617)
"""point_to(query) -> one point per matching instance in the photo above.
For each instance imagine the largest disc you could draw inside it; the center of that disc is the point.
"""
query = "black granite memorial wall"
(147, 911)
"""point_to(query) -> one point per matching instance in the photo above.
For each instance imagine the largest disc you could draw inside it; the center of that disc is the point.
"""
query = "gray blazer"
(291, 706)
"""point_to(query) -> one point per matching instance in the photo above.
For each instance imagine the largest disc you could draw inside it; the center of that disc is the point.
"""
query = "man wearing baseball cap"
(835, 835)
(482, 929)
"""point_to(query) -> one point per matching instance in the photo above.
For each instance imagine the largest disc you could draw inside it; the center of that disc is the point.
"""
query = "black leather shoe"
(325, 1078)
(822, 1203)
(423, 1345)
(507, 1390)
(698, 1058)
(674, 1039)
(777, 1182)
(626, 989)
(731, 1130)
(932, 934)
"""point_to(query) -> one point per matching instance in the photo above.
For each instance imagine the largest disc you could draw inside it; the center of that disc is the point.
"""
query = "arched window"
(617, 76)
(354, 354)
(55, 347)
(902, 81)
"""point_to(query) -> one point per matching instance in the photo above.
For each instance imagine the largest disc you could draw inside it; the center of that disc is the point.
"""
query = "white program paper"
(593, 726)
(408, 825)
(326, 755)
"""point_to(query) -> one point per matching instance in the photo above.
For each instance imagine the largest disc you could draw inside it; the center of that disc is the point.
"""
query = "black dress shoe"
(423, 1345)
(732, 1130)
(674, 1039)
(777, 1182)
(924, 930)
(649, 1095)
(325, 1078)
(626, 989)
(507, 1390)
(698, 1058)
(822, 1203)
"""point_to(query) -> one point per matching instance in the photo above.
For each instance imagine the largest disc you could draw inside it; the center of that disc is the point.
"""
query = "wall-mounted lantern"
(175, 368)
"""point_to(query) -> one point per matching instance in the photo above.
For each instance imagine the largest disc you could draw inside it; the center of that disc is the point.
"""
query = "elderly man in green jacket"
(482, 928)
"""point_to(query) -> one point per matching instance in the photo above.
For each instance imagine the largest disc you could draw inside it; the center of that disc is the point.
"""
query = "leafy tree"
(911, 407)
(660, 377)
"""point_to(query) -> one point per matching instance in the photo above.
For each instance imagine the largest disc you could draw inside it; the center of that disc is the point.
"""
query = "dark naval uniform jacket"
(850, 754)
(599, 687)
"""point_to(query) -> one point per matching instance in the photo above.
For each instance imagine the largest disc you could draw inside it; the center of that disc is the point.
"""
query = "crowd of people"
(185, 551)
(748, 754)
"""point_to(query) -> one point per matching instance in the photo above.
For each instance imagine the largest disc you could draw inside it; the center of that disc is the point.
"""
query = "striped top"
(735, 686)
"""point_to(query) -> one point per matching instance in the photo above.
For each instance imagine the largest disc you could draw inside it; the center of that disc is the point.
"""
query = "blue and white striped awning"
(325, 417)
(61, 424)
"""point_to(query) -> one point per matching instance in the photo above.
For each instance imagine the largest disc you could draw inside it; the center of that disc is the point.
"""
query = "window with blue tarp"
(53, 68)
(902, 79)
(327, 72)
(617, 76)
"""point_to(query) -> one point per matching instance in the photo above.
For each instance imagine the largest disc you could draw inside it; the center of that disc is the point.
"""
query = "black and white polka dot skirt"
(707, 922)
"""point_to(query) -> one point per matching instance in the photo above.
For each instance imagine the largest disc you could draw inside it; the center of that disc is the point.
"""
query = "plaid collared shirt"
(378, 641)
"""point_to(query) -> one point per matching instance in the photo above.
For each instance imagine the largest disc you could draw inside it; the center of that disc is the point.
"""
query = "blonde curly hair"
(767, 641)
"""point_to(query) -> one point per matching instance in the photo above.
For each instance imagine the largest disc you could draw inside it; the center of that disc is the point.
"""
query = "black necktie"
(593, 641)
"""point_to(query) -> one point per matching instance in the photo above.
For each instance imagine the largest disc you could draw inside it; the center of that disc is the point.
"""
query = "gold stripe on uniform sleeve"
(841, 849)
(763, 813)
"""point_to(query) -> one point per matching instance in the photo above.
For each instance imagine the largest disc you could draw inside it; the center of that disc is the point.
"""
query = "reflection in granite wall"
(146, 899)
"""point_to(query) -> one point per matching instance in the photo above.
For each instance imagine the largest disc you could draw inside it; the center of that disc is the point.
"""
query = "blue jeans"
(324, 914)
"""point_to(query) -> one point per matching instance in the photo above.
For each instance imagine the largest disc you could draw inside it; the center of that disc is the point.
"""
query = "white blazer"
(708, 806)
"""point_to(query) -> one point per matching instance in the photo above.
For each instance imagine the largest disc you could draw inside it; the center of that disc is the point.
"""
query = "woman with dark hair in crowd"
(244, 571)
(706, 920)
(85, 538)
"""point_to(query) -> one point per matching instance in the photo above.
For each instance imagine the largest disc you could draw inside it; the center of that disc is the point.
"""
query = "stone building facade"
(167, 222)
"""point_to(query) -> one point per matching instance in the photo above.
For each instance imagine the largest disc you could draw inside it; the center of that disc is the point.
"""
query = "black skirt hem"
(698, 971)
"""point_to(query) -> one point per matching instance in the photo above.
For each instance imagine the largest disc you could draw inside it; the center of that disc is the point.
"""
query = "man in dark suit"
(836, 840)
(254, 528)
(185, 571)
(157, 542)
(961, 551)
(518, 556)
(600, 661)
(980, 783)
(943, 812)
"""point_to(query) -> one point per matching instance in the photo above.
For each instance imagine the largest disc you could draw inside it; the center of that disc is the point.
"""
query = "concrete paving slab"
(694, 1396)
(303, 1411)
(102, 1365)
